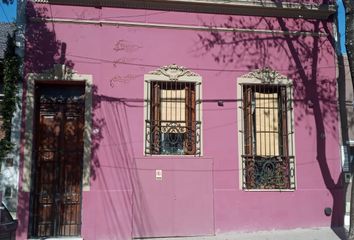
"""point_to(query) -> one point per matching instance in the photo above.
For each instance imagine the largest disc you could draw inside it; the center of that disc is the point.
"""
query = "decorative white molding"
(60, 72)
(179, 27)
(266, 75)
(173, 72)
(57, 73)
(255, 8)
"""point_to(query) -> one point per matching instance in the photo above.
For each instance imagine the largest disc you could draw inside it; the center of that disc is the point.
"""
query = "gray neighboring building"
(5, 30)
(7, 224)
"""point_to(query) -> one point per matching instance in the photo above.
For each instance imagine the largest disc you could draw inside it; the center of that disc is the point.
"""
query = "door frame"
(59, 74)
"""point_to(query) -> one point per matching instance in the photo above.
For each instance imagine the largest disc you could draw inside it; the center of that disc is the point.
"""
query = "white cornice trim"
(266, 3)
(241, 7)
(262, 4)
(177, 26)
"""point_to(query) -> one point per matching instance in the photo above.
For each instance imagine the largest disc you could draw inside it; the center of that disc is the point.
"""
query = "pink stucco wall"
(198, 195)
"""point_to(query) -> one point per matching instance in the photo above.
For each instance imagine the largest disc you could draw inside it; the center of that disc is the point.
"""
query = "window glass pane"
(267, 122)
(172, 142)
(173, 104)
(173, 119)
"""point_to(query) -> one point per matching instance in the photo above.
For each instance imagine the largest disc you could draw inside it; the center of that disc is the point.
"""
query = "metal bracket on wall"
(347, 177)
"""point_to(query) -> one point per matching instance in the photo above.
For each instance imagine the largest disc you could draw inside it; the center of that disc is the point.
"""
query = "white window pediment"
(265, 75)
(173, 72)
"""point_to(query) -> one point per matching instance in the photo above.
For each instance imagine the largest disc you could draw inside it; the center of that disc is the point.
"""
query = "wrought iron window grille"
(172, 127)
(267, 159)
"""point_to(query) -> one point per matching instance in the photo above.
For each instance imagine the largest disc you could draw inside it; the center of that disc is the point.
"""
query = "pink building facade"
(177, 119)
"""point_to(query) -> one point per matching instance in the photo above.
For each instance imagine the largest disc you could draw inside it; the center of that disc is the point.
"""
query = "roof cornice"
(235, 7)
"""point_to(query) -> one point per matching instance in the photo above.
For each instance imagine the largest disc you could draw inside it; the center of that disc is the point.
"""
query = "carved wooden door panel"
(58, 160)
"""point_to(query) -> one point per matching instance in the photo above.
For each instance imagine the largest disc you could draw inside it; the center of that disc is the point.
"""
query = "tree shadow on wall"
(109, 118)
(43, 54)
(129, 211)
(43, 49)
(314, 90)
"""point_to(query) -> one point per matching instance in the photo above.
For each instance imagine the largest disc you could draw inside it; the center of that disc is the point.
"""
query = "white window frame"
(173, 73)
(271, 77)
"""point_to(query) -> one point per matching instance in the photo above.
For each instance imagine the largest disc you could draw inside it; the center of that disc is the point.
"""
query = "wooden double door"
(58, 153)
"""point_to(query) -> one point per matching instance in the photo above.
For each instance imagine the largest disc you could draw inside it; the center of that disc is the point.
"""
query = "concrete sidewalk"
(295, 234)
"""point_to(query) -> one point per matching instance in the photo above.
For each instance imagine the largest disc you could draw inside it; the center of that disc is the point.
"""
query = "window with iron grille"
(172, 122)
(267, 136)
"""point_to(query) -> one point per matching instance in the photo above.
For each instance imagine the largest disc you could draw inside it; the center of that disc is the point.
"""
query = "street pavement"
(323, 233)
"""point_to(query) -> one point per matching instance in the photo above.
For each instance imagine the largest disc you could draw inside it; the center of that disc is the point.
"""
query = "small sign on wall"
(158, 174)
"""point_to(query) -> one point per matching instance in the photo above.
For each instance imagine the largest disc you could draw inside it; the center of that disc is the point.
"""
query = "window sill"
(269, 190)
(56, 238)
(172, 156)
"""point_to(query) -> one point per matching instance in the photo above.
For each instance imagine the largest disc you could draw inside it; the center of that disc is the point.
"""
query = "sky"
(8, 12)
(341, 25)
